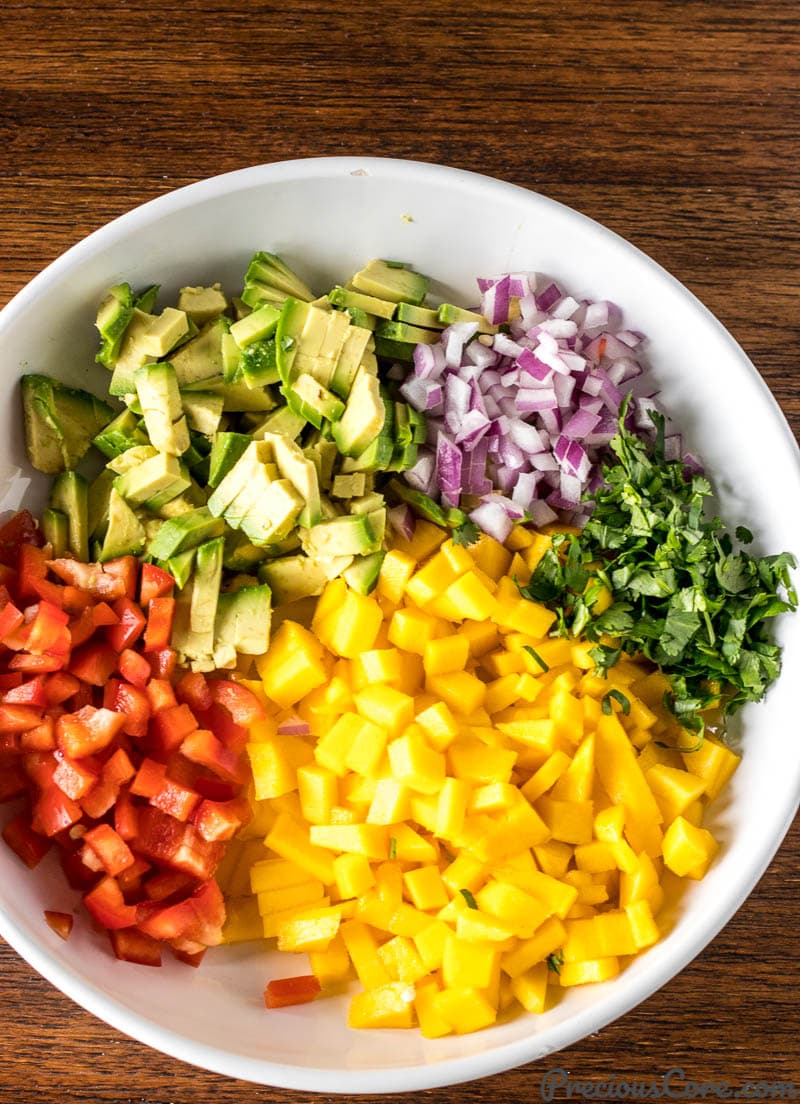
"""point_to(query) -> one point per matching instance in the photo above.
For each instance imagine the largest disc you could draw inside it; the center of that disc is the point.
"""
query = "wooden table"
(677, 124)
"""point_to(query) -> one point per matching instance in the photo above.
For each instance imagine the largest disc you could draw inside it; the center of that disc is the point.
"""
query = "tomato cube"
(130, 625)
(27, 844)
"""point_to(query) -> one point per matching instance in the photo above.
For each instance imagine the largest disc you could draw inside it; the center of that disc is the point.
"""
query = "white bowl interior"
(327, 217)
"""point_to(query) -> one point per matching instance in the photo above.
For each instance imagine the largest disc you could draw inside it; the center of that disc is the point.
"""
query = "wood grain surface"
(675, 123)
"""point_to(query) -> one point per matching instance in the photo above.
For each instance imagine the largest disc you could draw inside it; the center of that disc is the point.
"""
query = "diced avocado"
(271, 272)
(363, 417)
(146, 300)
(391, 280)
(186, 531)
(237, 396)
(301, 473)
(419, 430)
(378, 453)
(70, 496)
(240, 308)
(201, 358)
(351, 535)
(195, 650)
(308, 398)
(367, 504)
(202, 304)
(258, 363)
(207, 582)
(330, 510)
(98, 496)
(124, 535)
(342, 297)
(165, 332)
(119, 435)
(181, 567)
(113, 316)
(290, 327)
(358, 341)
(362, 319)
(131, 458)
(283, 421)
(403, 331)
(394, 350)
(231, 357)
(203, 410)
(362, 575)
(132, 354)
(448, 314)
(258, 326)
(377, 521)
(293, 577)
(323, 456)
(268, 509)
(152, 526)
(240, 554)
(403, 457)
(157, 388)
(420, 503)
(348, 486)
(225, 451)
(239, 474)
(156, 481)
(193, 499)
(55, 529)
(60, 422)
(243, 620)
(426, 317)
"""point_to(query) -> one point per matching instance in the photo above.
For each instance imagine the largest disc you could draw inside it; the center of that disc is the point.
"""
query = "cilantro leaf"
(466, 533)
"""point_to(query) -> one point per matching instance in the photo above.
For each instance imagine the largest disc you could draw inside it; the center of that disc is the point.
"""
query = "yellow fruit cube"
(530, 988)
(353, 875)
(386, 707)
(290, 839)
(309, 930)
(411, 629)
(334, 747)
(371, 840)
(546, 776)
(318, 792)
(390, 804)
(473, 761)
(353, 628)
(687, 850)
(461, 691)
(622, 778)
(273, 773)
(366, 749)
(568, 821)
(468, 965)
(490, 556)
(712, 762)
(396, 569)
(549, 938)
(289, 897)
(445, 654)
(577, 781)
(331, 965)
(536, 734)
(439, 725)
(588, 970)
(377, 665)
(610, 823)
(454, 797)
(674, 790)
(430, 943)
(425, 888)
(390, 1005)
(293, 665)
(431, 1024)
(493, 797)
(242, 920)
(275, 874)
(432, 579)
(474, 926)
(481, 636)
(465, 1010)
(520, 911)
(362, 947)
(470, 598)
(402, 960)
(414, 763)
(426, 539)
(409, 845)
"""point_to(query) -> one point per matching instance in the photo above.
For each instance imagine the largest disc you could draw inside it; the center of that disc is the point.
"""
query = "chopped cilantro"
(471, 902)
(392, 847)
(532, 652)
(618, 697)
(555, 961)
(466, 533)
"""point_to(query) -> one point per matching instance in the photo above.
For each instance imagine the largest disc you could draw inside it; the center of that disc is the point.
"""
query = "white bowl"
(327, 217)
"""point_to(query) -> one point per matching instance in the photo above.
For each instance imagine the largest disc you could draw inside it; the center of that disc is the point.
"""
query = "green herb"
(618, 697)
(532, 652)
(471, 902)
(683, 596)
(466, 533)
(555, 961)
(392, 847)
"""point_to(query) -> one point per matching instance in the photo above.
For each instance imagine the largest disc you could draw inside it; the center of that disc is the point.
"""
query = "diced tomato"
(155, 583)
(160, 695)
(221, 820)
(118, 767)
(149, 778)
(168, 729)
(28, 845)
(78, 875)
(163, 662)
(134, 667)
(43, 664)
(54, 811)
(40, 767)
(95, 579)
(13, 782)
(177, 800)
(282, 992)
(10, 620)
(163, 839)
(104, 615)
(169, 883)
(110, 848)
(132, 945)
(31, 572)
(40, 738)
(132, 703)
(126, 820)
(107, 905)
(214, 788)
(204, 748)
(100, 799)
(19, 718)
(241, 703)
(219, 720)
(59, 687)
(75, 601)
(160, 616)
(125, 568)
(130, 880)
(93, 663)
(190, 958)
(10, 681)
(130, 626)
(49, 634)
(60, 922)
(32, 692)
(73, 778)
(19, 529)
(193, 689)
(198, 918)
(82, 627)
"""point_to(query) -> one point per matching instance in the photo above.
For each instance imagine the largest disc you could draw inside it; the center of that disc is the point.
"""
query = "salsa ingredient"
(682, 593)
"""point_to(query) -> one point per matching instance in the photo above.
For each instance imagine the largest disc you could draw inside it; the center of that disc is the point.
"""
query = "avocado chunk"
(156, 481)
(181, 566)
(351, 535)
(310, 400)
(146, 300)
(132, 354)
(124, 535)
(225, 451)
(185, 531)
(240, 554)
(120, 434)
(70, 496)
(243, 620)
(201, 358)
(404, 331)
(301, 473)
(55, 528)
(269, 279)
(258, 363)
(391, 280)
(207, 582)
(203, 410)
(257, 326)
(165, 332)
(293, 577)
(131, 458)
(237, 396)
(283, 421)
(367, 504)
(349, 486)
(239, 474)
(202, 304)
(362, 575)
(195, 650)
(267, 510)
(157, 388)
(363, 417)
(426, 317)
(358, 342)
(356, 300)
(60, 422)
(98, 496)
(113, 316)
(323, 455)
(448, 314)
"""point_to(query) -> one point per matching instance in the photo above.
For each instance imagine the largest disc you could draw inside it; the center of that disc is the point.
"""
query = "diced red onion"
(529, 400)
(401, 519)
(448, 470)
(422, 476)
(548, 297)
(581, 423)
(494, 520)
(474, 425)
